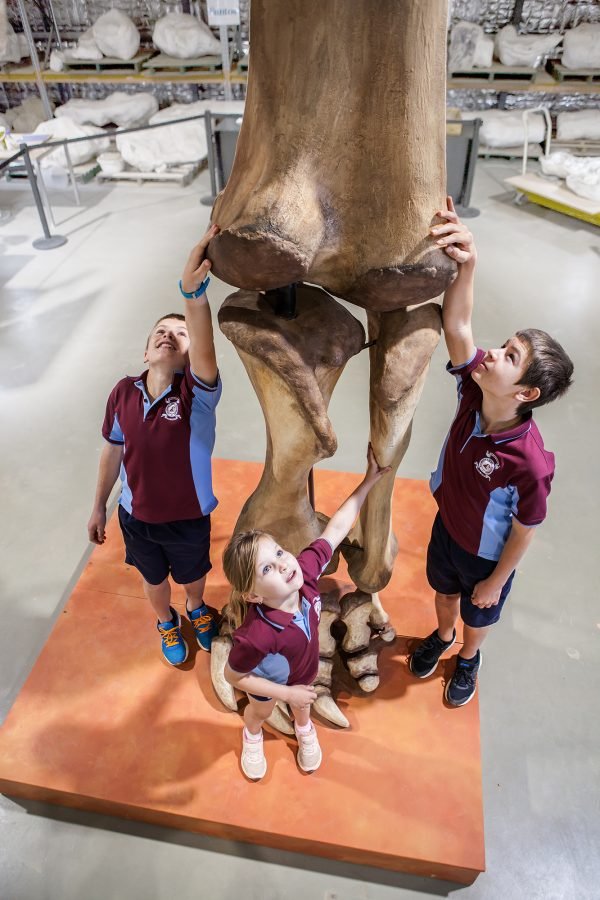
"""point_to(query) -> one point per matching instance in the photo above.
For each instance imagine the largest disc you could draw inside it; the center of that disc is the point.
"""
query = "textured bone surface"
(405, 340)
(329, 186)
(380, 621)
(325, 705)
(280, 721)
(356, 612)
(330, 613)
(219, 654)
(293, 365)
(363, 666)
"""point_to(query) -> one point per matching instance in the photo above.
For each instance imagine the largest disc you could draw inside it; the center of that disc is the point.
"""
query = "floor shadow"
(27, 352)
(251, 852)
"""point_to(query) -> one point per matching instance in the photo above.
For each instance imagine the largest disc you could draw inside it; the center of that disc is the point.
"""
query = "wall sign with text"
(223, 12)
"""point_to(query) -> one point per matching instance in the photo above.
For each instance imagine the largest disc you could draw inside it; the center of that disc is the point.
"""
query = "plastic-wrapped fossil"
(339, 171)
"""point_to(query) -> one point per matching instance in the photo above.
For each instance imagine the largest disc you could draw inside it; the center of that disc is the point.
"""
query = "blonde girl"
(275, 609)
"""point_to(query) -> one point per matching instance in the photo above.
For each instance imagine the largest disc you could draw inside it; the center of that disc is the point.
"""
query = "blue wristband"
(195, 294)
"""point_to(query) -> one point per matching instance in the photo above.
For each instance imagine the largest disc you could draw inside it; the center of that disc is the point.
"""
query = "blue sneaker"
(463, 683)
(204, 626)
(174, 648)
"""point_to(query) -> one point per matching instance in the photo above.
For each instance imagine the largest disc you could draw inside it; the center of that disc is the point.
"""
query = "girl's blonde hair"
(239, 565)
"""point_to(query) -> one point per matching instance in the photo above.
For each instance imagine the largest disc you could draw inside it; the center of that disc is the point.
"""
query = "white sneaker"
(309, 751)
(254, 763)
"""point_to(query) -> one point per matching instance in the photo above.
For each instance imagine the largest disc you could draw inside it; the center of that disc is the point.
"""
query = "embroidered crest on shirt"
(488, 464)
(171, 409)
(317, 607)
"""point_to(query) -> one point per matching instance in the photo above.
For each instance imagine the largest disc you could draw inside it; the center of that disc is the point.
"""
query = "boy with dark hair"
(493, 476)
(159, 430)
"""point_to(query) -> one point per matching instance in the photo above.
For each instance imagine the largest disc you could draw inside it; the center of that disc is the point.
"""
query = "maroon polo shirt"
(166, 470)
(482, 480)
(280, 646)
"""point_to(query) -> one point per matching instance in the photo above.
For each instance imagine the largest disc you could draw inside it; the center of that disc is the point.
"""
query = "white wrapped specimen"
(124, 110)
(463, 40)
(582, 173)
(563, 164)
(172, 145)
(57, 61)
(587, 186)
(583, 124)
(116, 35)
(24, 118)
(59, 129)
(86, 47)
(184, 36)
(582, 47)
(484, 52)
(13, 47)
(514, 49)
(503, 128)
(469, 47)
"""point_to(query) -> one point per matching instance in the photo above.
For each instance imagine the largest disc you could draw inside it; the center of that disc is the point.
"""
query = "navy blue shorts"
(451, 570)
(180, 548)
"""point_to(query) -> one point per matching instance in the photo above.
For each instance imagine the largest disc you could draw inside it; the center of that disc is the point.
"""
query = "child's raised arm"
(342, 521)
(203, 360)
(457, 308)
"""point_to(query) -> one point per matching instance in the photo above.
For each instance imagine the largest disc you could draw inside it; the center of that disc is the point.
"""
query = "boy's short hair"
(548, 368)
(168, 316)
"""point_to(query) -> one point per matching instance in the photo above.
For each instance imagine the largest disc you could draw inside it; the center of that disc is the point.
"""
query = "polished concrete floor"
(73, 320)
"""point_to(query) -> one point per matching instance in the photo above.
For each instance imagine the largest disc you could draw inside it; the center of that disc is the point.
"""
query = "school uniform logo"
(488, 464)
(171, 409)
(317, 607)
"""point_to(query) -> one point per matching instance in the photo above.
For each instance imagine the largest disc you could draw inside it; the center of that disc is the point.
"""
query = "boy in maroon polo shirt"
(275, 609)
(159, 430)
(493, 476)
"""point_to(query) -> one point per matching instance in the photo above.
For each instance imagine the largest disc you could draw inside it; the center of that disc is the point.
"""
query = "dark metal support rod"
(210, 159)
(311, 488)
(283, 301)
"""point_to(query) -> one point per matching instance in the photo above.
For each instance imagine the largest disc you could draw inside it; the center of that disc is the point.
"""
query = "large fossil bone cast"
(340, 161)
(339, 169)
(293, 365)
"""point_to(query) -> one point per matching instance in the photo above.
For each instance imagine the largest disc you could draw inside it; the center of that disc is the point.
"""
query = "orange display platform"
(103, 724)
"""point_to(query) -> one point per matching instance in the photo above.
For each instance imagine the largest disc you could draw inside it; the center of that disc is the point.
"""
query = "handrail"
(7, 162)
(117, 131)
(49, 241)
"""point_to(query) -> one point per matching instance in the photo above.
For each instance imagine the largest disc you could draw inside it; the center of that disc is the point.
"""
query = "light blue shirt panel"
(202, 442)
(116, 433)
(497, 521)
(274, 667)
(436, 477)
(126, 498)
(301, 618)
(206, 395)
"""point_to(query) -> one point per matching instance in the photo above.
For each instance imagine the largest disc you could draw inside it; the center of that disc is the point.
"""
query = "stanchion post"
(210, 159)
(49, 241)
